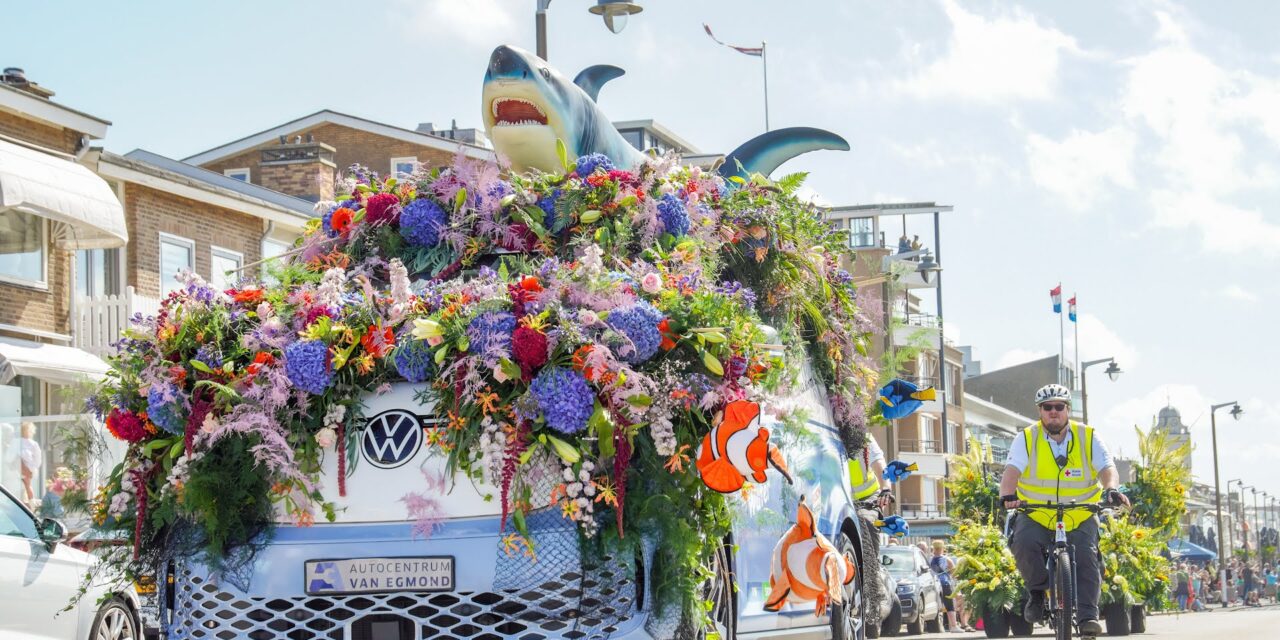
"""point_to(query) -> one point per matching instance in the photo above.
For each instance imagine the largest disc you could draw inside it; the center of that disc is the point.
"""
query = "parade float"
(577, 317)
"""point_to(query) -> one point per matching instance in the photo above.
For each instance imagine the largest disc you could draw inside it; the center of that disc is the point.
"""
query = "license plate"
(379, 575)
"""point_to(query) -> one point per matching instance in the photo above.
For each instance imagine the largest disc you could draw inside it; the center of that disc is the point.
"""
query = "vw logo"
(391, 439)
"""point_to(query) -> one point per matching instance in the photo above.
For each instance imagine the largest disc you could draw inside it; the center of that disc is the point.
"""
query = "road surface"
(1235, 623)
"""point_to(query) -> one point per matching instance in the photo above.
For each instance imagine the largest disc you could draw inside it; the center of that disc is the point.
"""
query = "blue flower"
(565, 399)
(735, 289)
(639, 323)
(208, 354)
(548, 205)
(674, 217)
(306, 363)
(491, 331)
(414, 360)
(165, 409)
(421, 222)
(588, 164)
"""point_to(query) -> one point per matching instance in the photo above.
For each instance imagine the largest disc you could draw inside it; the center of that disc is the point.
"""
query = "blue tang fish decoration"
(899, 470)
(900, 398)
(894, 526)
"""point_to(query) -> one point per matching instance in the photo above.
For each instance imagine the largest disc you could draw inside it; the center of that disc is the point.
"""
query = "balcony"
(100, 320)
(916, 329)
(920, 446)
(926, 511)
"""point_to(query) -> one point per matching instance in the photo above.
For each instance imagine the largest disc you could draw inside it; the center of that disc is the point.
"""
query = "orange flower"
(378, 341)
(248, 295)
(530, 283)
(342, 219)
(678, 460)
(668, 337)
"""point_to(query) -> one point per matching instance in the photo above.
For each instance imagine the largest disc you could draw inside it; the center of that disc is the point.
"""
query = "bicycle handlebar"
(1092, 506)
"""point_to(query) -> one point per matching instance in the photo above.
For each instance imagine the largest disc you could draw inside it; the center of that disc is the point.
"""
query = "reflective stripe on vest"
(1044, 481)
(862, 480)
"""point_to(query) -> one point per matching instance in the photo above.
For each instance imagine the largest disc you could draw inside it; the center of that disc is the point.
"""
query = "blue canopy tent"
(1188, 551)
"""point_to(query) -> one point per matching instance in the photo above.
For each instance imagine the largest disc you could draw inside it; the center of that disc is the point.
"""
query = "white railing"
(100, 320)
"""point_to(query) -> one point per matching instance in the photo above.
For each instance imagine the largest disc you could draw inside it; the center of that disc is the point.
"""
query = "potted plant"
(986, 575)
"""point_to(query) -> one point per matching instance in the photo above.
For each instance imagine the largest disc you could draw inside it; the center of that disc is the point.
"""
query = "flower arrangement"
(974, 485)
(604, 316)
(986, 574)
(1133, 569)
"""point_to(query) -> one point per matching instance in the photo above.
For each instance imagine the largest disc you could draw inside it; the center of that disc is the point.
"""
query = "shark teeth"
(517, 112)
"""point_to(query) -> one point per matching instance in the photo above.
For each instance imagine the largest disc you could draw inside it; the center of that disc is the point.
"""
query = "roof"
(190, 181)
(662, 131)
(56, 187)
(971, 401)
(51, 363)
(46, 110)
(333, 117)
(894, 209)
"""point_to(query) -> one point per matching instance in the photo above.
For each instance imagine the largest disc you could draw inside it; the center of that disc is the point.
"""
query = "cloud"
(1099, 341)
(1222, 226)
(1237, 292)
(1017, 356)
(1007, 57)
(473, 23)
(1082, 165)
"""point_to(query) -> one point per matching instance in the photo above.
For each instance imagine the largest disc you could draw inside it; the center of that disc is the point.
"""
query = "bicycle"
(1060, 600)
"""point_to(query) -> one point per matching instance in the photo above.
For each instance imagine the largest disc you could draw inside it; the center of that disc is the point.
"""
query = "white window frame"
(222, 252)
(231, 173)
(43, 283)
(395, 161)
(173, 239)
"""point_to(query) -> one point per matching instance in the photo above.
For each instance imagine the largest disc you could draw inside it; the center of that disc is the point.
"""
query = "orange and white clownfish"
(807, 567)
(737, 448)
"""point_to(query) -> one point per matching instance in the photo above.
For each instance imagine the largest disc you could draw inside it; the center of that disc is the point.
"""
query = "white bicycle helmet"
(1053, 392)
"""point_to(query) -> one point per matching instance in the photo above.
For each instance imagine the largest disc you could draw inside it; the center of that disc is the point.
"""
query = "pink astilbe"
(424, 507)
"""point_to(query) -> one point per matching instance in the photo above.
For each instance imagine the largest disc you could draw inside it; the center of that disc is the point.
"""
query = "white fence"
(100, 320)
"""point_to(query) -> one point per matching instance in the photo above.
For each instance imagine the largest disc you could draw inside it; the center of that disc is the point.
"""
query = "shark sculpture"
(528, 105)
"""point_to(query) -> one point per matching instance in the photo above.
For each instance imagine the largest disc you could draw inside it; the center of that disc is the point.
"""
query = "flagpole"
(1062, 341)
(764, 57)
(1075, 324)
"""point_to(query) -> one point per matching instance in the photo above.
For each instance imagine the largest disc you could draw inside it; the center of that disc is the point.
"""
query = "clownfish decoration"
(738, 448)
(807, 567)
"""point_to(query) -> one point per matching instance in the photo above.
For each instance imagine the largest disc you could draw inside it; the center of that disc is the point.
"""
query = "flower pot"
(1116, 616)
(995, 623)
(1018, 625)
(1138, 618)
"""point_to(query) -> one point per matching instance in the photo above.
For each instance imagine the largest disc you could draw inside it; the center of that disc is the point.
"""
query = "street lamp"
(1231, 530)
(1244, 519)
(1113, 372)
(614, 12)
(1222, 559)
(1257, 529)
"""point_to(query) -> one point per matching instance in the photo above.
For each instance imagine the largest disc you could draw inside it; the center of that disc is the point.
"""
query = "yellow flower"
(995, 582)
(1139, 534)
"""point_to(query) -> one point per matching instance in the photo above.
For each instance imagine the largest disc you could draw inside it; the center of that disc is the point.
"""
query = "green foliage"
(1158, 492)
(226, 495)
(1133, 569)
(986, 574)
(974, 485)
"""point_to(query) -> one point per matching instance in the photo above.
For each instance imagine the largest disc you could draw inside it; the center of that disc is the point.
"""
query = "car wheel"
(115, 621)
(849, 619)
(935, 624)
(892, 625)
(719, 592)
(916, 627)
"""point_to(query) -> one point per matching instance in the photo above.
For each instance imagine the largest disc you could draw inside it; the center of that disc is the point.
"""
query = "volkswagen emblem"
(391, 438)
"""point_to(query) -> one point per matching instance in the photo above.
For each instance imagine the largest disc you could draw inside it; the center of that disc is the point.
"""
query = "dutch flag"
(1056, 292)
(1071, 308)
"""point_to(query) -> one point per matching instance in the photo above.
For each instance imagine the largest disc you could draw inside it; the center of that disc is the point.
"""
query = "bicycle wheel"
(1063, 592)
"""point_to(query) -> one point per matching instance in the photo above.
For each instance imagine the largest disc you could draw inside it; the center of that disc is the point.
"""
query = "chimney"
(301, 169)
(15, 77)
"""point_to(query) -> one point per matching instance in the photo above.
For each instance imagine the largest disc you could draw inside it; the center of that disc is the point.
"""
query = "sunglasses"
(1054, 407)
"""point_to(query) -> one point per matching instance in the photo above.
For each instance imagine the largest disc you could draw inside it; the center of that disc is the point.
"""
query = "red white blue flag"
(1056, 294)
(751, 51)
(1071, 308)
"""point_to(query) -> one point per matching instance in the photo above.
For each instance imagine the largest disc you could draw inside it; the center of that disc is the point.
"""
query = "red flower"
(378, 342)
(597, 179)
(380, 208)
(263, 359)
(529, 348)
(530, 283)
(341, 219)
(250, 295)
(668, 337)
(126, 425)
(314, 314)
(623, 177)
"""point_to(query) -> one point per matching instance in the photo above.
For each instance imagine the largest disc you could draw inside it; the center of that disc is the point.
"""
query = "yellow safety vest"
(1044, 481)
(862, 479)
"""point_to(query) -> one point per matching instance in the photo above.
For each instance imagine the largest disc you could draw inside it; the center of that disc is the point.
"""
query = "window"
(15, 521)
(862, 232)
(224, 267)
(634, 138)
(22, 252)
(98, 272)
(401, 167)
(176, 254)
(237, 174)
(270, 249)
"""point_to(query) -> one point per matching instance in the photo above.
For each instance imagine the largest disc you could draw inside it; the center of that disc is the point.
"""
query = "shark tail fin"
(766, 152)
(926, 394)
(594, 77)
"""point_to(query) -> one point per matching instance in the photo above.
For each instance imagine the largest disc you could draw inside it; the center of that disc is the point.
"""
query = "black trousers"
(1029, 542)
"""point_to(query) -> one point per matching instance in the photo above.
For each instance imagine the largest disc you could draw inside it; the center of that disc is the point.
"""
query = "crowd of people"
(1196, 586)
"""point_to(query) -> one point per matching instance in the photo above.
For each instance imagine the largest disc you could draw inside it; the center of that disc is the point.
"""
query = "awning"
(48, 362)
(53, 187)
(1189, 551)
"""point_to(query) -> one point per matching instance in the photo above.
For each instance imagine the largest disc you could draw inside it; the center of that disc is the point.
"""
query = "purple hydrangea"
(588, 164)
(491, 331)
(414, 360)
(565, 399)
(165, 409)
(306, 363)
(674, 217)
(639, 323)
(421, 222)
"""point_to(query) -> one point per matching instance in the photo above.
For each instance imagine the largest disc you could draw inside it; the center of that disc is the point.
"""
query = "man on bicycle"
(868, 484)
(1057, 460)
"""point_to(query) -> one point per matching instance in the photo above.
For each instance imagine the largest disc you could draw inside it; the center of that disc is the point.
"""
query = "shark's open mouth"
(514, 111)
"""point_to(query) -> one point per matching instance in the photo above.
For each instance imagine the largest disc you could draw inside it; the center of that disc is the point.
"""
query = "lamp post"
(1113, 371)
(1244, 519)
(1257, 528)
(1213, 422)
(614, 12)
(1231, 530)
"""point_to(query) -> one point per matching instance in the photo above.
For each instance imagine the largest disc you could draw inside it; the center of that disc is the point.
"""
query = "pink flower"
(326, 437)
(435, 340)
(651, 283)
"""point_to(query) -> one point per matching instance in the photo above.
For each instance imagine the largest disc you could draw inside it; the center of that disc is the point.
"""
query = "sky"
(1130, 151)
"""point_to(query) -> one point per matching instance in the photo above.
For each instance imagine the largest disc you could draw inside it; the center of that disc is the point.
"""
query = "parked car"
(40, 575)
(919, 593)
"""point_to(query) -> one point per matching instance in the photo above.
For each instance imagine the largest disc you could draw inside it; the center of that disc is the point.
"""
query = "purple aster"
(639, 323)
(306, 363)
(588, 164)
(491, 331)
(565, 399)
(165, 409)
(674, 217)
(421, 222)
(735, 289)
(414, 360)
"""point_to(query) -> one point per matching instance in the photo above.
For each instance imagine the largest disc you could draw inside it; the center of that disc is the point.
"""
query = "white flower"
(499, 374)
(695, 173)
(591, 258)
(210, 423)
(584, 476)
(326, 437)
(666, 188)
(568, 474)
(588, 317)
(335, 415)
(651, 283)
(573, 489)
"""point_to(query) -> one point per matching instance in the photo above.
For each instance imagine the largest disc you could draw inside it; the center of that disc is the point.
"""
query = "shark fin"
(766, 152)
(925, 394)
(593, 77)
